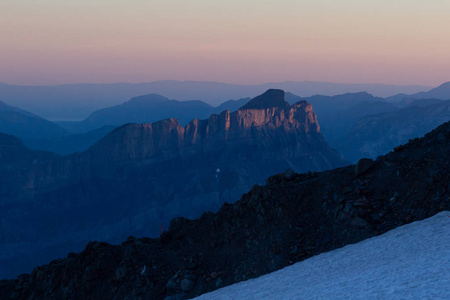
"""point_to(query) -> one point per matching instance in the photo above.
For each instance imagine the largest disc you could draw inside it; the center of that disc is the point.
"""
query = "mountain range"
(150, 108)
(77, 101)
(340, 116)
(374, 135)
(290, 218)
(441, 92)
(139, 176)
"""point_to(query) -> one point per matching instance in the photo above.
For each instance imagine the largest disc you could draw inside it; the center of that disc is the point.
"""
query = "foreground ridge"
(291, 218)
(409, 262)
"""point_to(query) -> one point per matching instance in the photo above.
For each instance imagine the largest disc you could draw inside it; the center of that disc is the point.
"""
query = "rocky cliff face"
(292, 217)
(167, 139)
(138, 177)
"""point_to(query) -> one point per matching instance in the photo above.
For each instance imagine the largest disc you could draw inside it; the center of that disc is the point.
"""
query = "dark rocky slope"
(140, 176)
(292, 217)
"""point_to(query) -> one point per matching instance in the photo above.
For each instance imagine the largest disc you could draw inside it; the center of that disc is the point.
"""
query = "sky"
(252, 41)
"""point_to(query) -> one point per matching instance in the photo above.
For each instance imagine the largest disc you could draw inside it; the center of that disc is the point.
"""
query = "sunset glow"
(54, 42)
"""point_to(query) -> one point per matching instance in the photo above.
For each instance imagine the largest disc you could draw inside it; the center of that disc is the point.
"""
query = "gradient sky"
(250, 41)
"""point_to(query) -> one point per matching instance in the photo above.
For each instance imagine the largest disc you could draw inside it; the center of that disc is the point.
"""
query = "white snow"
(409, 262)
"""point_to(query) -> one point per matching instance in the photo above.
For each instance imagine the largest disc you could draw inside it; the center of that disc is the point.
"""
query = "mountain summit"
(271, 98)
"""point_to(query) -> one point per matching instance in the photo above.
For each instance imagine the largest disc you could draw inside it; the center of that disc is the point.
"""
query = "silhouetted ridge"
(271, 98)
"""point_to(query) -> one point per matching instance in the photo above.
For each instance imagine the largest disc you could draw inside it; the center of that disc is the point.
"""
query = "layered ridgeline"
(292, 217)
(360, 125)
(150, 108)
(441, 92)
(26, 125)
(77, 101)
(374, 135)
(138, 177)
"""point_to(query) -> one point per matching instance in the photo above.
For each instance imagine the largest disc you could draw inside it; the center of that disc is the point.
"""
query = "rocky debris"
(272, 226)
(363, 165)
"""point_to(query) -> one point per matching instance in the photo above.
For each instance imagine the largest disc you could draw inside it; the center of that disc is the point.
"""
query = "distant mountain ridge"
(25, 125)
(376, 134)
(140, 176)
(77, 101)
(151, 108)
(441, 92)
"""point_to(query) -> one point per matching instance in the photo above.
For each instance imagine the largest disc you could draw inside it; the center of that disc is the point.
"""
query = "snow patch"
(409, 262)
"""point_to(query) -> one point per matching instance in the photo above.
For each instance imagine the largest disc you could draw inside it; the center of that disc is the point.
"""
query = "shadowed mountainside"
(375, 135)
(25, 125)
(140, 176)
(70, 143)
(360, 125)
(292, 217)
(15, 161)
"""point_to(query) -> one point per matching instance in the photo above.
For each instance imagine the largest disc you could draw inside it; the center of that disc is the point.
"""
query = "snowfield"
(409, 262)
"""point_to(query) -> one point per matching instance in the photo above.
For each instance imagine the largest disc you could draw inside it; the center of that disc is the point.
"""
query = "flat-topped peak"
(271, 98)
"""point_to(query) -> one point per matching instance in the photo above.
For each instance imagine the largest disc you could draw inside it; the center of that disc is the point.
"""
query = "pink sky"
(396, 41)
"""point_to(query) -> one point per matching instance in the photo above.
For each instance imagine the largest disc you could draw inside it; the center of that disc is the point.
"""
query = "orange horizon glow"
(395, 42)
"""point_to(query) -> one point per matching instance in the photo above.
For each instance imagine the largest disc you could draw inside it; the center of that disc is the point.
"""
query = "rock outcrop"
(290, 218)
(140, 176)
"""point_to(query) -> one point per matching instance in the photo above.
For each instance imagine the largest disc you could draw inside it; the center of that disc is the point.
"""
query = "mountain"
(76, 101)
(15, 159)
(231, 105)
(409, 261)
(25, 125)
(4, 107)
(150, 108)
(70, 143)
(291, 218)
(140, 176)
(441, 92)
(360, 125)
(338, 114)
(375, 135)
(271, 98)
